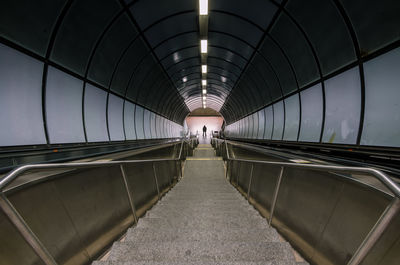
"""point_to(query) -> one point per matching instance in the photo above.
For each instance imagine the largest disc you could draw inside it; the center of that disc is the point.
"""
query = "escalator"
(203, 220)
(225, 203)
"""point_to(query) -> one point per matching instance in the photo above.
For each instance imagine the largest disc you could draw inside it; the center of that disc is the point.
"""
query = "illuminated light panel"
(203, 4)
(184, 79)
(203, 45)
(223, 79)
(204, 91)
(204, 82)
(204, 69)
(204, 98)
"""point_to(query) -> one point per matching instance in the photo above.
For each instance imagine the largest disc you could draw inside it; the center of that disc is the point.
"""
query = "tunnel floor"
(202, 220)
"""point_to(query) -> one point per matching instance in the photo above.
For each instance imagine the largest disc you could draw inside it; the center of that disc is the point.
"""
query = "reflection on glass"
(129, 120)
(115, 122)
(95, 114)
(311, 114)
(292, 118)
(20, 99)
(279, 117)
(343, 106)
(382, 95)
(64, 107)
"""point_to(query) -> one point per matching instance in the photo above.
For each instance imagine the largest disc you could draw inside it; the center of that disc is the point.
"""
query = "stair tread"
(202, 262)
(202, 251)
(182, 234)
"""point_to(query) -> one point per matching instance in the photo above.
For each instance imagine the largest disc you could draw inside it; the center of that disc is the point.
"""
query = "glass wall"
(64, 108)
(311, 114)
(95, 114)
(20, 99)
(341, 101)
(129, 120)
(292, 118)
(382, 97)
(279, 120)
(115, 118)
(343, 106)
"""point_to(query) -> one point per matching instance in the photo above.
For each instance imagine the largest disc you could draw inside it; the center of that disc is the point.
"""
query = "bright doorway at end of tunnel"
(207, 117)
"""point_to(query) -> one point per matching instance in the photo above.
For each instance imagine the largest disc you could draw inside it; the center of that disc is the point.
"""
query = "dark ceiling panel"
(231, 43)
(80, 30)
(148, 12)
(179, 56)
(110, 49)
(281, 64)
(377, 23)
(335, 49)
(227, 56)
(171, 26)
(235, 26)
(258, 11)
(129, 62)
(176, 43)
(28, 23)
(290, 38)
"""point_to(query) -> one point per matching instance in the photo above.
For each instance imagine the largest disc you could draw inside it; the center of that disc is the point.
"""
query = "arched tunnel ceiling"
(259, 51)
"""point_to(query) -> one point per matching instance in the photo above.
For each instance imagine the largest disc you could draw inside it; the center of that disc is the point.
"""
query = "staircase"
(202, 220)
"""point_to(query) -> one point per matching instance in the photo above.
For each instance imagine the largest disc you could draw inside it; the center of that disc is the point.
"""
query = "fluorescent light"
(184, 79)
(204, 82)
(204, 97)
(203, 44)
(203, 4)
(204, 91)
(223, 79)
(204, 68)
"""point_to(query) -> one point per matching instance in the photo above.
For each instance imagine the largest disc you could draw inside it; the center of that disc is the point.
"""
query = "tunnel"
(199, 132)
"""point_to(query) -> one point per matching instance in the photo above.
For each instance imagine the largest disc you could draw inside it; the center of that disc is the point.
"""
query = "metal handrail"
(24, 229)
(380, 226)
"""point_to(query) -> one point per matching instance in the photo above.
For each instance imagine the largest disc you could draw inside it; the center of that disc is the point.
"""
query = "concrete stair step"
(201, 211)
(202, 251)
(215, 224)
(162, 213)
(211, 262)
(202, 235)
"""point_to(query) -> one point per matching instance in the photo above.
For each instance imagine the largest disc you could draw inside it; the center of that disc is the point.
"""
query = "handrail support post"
(376, 232)
(156, 180)
(251, 177)
(275, 198)
(23, 228)
(128, 192)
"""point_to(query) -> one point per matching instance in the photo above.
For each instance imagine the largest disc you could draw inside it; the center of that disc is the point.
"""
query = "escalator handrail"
(378, 174)
(14, 174)
(382, 223)
(19, 222)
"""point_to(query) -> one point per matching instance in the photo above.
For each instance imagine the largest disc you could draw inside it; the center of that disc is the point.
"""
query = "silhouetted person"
(204, 131)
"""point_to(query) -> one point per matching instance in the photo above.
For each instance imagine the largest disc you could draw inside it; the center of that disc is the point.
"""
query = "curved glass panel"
(382, 95)
(95, 114)
(311, 114)
(261, 124)
(147, 124)
(279, 119)
(129, 120)
(21, 116)
(139, 111)
(153, 125)
(115, 121)
(269, 122)
(64, 107)
(343, 107)
(292, 118)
